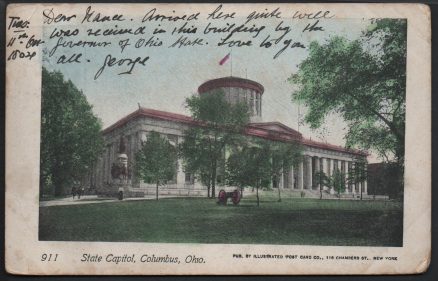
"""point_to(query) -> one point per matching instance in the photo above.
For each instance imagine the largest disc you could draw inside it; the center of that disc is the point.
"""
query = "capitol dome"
(238, 89)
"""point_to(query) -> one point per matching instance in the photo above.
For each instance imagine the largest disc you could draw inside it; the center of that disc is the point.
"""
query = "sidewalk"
(94, 199)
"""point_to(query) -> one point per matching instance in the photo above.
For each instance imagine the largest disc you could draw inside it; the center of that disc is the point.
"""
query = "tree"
(220, 124)
(258, 162)
(156, 161)
(358, 173)
(236, 170)
(363, 80)
(283, 157)
(337, 182)
(70, 134)
(321, 179)
(250, 165)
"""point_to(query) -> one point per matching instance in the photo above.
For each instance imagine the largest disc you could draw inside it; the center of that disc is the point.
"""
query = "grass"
(293, 221)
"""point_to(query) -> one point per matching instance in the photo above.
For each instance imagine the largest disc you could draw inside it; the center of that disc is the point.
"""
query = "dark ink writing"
(217, 14)
(183, 41)
(49, 17)
(264, 15)
(151, 16)
(111, 61)
(91, 17)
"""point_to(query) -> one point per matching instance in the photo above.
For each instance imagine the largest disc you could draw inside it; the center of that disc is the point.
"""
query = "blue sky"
(172, 74)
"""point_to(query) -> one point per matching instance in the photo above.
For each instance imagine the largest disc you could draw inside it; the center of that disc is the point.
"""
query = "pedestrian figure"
(79, 192)
(73, 192)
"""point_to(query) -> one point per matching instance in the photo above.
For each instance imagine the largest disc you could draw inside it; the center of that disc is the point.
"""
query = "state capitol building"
(134, 129)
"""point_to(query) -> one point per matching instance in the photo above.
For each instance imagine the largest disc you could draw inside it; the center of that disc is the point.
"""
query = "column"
(287, 179)
(280, 179)
(259, 101)
(343, 165)
(300, 184)
(365, 187)
(260, 104)
(255, 103)
(324, 170)
(309, 172)
(332, 168)
(317, 166)
(180, 176)
(291, 178)
(354, 185)
(347, 187)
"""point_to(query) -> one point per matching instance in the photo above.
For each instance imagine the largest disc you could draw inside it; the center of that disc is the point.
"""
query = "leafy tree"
(156, 160)
(283, 157)
(364, 81)
(322, 180)
(220, 125)
(257, 163)
(236, 170)
(250, 165)
(393, 180)
(385, 179)
(70, 134)
(358, 173)
(337, 182)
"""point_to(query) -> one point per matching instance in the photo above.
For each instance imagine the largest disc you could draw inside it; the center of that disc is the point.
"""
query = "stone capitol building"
(124, 138)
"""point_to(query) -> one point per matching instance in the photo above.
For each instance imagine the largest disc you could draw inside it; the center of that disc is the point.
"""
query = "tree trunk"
(321, 184)
(213, 180)
(241, 192)
(58, 187)
(156, 193)
(257, 195)
(279, 194)
(57, 183)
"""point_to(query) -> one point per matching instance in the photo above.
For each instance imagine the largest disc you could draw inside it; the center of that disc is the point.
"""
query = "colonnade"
(304, 175)
(300, 177)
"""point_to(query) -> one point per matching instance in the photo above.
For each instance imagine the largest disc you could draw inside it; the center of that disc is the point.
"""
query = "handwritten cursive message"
(121, 42)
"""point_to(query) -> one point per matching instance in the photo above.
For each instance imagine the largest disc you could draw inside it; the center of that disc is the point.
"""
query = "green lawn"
(293, 221)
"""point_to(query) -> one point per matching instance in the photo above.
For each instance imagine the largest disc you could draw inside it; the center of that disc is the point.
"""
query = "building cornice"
(259, 129)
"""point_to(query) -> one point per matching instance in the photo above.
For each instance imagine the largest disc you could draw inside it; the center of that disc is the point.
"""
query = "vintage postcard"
(218, 139)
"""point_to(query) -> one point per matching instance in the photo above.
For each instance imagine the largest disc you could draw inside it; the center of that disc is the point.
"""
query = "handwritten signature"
(111, 61)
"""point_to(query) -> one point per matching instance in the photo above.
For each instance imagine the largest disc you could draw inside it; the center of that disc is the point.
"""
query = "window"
(189, 179)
